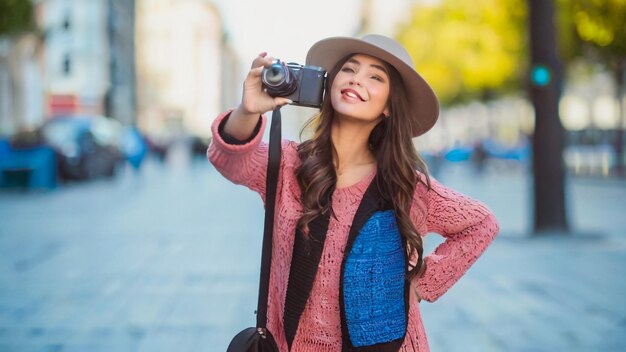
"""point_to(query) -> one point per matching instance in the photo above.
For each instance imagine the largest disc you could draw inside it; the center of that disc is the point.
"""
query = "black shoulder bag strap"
(273, 168)
(259, 339)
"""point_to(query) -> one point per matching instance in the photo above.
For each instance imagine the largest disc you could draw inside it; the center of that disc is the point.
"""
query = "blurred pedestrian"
(353, 203)
(134, 147)
(479, 157)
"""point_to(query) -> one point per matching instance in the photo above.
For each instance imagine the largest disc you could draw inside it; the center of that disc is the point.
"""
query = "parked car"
(86, 146)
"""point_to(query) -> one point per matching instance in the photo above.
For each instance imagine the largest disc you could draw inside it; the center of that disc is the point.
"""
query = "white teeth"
(350, 94)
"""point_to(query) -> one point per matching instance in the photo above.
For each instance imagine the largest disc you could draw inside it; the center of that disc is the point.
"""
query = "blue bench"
(36, 166)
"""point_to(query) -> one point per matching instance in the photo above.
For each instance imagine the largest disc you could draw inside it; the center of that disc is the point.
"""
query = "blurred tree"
(477, 49)
(468, 49)
(16, 16)
(568, 43)
(600, 26)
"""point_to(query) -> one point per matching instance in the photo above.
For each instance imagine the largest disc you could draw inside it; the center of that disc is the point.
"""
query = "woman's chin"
(355, 116)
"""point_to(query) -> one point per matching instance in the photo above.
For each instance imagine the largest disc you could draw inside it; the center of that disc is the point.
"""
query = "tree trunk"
(548, 138)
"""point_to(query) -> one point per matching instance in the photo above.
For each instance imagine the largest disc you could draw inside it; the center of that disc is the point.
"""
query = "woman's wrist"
(240, 123)
(242, 113)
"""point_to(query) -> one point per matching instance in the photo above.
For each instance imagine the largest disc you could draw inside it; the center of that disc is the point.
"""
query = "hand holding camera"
(303, 85)
(270, 84)
(255, 100)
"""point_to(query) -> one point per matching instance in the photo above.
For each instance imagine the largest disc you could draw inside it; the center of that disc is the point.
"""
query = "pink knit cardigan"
(467, 226)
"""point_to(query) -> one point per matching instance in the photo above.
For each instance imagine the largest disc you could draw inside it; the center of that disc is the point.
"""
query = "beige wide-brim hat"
(423, 103)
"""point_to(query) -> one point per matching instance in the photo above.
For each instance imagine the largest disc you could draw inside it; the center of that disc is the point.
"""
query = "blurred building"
(183, 69)
(83, 54)
(121, 98)
(87, 65)
(21, 85)
(76, 61)
(231, 77)
(384, 17)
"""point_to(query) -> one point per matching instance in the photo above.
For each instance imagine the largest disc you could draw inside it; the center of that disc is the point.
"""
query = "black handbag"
(259, 339)
(253, 340)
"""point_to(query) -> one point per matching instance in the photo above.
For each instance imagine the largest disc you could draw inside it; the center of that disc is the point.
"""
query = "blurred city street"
(167, 259)
(117, 235)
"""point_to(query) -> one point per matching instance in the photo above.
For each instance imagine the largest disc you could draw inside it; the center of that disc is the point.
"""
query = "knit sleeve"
(468, 227)
(243, 163)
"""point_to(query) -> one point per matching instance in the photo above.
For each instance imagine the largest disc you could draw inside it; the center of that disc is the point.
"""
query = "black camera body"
(304, 85)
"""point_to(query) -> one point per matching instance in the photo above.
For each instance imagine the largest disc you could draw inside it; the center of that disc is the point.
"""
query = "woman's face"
(361, 89)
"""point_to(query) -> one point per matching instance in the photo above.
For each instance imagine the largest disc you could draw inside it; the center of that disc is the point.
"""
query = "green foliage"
(601, 27)
(477, 49)
(16, 16)
(570, 47)
(468, 49)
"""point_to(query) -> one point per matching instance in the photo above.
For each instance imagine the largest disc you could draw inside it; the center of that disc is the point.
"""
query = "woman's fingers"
(259, 63)
(256, 72)
(255, 99)
(282, 101)
(262, 61)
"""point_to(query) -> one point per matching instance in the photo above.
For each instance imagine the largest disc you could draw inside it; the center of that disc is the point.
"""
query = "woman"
(353, 203)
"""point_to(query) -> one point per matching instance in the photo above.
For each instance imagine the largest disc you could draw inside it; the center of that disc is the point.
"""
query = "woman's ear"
(386, 111)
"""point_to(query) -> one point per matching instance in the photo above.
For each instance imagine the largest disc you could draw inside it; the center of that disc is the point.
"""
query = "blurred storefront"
(590, 115)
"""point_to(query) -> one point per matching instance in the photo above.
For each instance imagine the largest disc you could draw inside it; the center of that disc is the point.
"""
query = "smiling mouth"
(352, 94)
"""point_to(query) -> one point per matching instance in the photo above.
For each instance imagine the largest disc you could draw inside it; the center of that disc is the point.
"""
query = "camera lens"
(275, 75)
(279, 81)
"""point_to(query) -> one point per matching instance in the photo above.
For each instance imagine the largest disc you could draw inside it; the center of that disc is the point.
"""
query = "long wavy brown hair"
(396, 162)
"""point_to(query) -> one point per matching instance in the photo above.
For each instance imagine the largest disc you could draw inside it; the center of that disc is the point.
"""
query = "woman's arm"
(243, 162)
(468, 227)
(236, 149)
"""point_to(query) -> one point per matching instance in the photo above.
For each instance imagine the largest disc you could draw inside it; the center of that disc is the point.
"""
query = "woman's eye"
(378, 78)
(347, 69)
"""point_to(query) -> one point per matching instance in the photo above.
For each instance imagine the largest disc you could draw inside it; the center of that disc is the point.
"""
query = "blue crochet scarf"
(374, 292)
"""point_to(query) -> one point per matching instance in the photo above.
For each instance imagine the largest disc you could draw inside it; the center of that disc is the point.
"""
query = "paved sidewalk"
(549, 293)
(168, 261)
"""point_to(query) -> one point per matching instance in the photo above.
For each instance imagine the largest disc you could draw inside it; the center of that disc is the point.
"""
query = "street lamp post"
(548, 138)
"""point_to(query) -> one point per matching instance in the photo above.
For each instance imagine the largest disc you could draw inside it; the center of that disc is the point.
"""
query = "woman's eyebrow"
(379, 67)
(357, 62)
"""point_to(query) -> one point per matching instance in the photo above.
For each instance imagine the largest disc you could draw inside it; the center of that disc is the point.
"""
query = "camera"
(304, 85)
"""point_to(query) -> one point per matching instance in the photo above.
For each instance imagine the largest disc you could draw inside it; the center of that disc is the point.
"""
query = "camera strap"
(271, 181)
